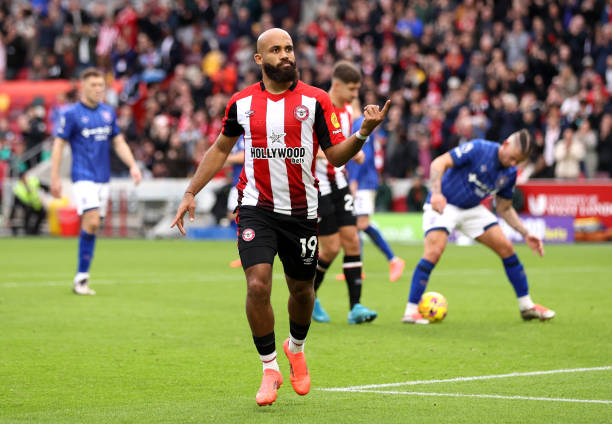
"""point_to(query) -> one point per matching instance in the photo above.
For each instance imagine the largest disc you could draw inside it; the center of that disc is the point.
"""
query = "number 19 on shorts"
(310, 245)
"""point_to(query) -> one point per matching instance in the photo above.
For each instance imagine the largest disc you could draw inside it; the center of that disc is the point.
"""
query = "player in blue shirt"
(460, 180)
(236, 160)
(363, 180)
(90, 127)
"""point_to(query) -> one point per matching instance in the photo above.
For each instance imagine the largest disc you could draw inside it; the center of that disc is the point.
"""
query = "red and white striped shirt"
(332, 178)
(282, 134)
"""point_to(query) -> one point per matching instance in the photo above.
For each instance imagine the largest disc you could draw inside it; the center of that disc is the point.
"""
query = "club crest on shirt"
(84, 119)
(301, 113)
(501, 181)
(106, 115)
(483, 168)
(334, 120)
(248, 234)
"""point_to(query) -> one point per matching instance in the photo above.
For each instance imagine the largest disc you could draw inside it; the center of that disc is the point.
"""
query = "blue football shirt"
(89, 132)
(365, 174)
(237, 168)
(476, 174)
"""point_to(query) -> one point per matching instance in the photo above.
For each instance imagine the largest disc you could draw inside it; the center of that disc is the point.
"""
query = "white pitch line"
(391, 392)
(459, 379)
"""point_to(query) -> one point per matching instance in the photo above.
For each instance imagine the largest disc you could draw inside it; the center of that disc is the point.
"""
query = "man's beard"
(279, 73)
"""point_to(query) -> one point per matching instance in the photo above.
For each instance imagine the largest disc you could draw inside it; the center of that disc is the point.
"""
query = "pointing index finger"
(386, 107)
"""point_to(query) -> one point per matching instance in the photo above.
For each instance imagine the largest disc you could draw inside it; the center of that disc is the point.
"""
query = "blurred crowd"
(454, 70)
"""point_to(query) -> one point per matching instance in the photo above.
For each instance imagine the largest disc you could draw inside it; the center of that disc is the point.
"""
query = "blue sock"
(379, 241)
(419, 280)
(516, 275)
(87, 243)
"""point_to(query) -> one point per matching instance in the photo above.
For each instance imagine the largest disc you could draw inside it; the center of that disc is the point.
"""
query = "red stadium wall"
(577, 199)
(20, 93)
(590, 203)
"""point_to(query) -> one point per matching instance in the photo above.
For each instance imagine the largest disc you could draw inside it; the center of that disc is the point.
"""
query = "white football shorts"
(472, 222)
(364, 202)
(89, 195)
(232, 199)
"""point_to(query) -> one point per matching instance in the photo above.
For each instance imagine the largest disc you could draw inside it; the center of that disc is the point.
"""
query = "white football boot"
(537, 312)
(414, 318)
(81, 285)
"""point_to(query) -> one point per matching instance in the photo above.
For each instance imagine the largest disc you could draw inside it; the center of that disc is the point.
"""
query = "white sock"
(269, 361)
(80, 276)
(525, 302)
(411, 308)
(295, 345)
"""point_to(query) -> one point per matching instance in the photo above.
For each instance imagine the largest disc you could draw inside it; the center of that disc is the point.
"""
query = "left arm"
(125, 154)
(506, 211)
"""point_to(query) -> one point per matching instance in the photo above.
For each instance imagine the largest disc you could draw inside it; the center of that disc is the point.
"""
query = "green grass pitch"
(166, 340)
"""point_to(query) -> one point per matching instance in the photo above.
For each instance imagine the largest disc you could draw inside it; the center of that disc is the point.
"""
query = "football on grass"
(433, 306)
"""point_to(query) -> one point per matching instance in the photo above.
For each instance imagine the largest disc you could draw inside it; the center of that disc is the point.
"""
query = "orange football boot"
(300, 377)
(396, 269)
(271, 381)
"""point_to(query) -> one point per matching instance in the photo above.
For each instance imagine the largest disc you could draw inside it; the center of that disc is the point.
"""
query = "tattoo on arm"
(435, 181)
(512, 219)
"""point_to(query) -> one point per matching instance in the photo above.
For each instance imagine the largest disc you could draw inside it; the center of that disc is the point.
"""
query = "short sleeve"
(115, 127)
(326, 124)
(65, 125)
(507, 191)
(231, 127)
(464, 154)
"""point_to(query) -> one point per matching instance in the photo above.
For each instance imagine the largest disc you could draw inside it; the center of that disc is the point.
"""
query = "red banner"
(20, 93)
(578, 199)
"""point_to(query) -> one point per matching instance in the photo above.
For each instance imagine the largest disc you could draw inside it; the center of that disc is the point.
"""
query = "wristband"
(361, 136)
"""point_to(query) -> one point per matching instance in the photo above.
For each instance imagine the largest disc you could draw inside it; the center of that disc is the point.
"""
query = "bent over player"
(460, 180)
